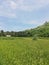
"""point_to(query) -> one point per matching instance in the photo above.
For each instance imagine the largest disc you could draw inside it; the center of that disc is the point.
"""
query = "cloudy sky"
(19, 15)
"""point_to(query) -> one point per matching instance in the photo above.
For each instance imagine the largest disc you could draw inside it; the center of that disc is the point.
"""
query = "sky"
(18, 15)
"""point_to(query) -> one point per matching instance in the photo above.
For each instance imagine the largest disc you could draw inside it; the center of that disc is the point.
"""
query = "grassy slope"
(24, 51)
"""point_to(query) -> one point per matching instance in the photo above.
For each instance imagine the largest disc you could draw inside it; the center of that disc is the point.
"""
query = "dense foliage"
(40, 31)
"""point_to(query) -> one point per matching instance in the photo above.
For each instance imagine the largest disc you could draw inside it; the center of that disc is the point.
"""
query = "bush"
(35, 37)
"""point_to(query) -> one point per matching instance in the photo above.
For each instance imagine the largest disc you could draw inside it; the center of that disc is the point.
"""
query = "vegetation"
(26, 52)
(35, 37)
(40, 31)
(23, 48)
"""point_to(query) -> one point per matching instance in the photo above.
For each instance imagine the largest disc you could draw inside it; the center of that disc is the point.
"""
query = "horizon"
(19, 15)
(25, 29)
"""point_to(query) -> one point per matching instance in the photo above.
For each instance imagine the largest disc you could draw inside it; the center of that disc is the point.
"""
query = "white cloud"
(8, 14)
(29, 5)
(36, 4)
(26, 4)
(34, 22)
(6, 11)
(9, 7)
(11, 4)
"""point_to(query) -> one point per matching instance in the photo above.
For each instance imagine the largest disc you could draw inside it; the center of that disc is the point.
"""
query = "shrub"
(35, 37)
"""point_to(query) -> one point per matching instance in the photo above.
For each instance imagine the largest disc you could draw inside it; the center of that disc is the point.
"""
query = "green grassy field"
(24, 51)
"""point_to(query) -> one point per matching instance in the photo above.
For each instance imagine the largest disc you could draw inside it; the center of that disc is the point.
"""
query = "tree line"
(13, 34)
(40, 31)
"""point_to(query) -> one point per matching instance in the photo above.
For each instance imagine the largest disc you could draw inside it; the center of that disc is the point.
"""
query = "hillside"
(42, 30)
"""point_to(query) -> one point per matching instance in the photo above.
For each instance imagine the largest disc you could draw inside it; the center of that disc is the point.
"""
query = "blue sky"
(16, 15)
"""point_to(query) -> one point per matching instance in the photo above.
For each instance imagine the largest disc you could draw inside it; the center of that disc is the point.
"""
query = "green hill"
(42, 30)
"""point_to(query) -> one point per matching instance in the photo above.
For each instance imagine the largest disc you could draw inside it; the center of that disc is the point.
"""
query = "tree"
(2, 33)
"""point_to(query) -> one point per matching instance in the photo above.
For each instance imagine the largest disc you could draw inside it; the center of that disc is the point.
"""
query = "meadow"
(24, 51)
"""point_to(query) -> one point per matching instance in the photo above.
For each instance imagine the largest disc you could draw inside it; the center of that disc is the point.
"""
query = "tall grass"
(24, 51)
